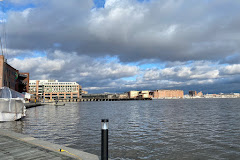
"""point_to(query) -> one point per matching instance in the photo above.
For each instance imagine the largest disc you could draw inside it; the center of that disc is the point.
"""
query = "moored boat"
(11, 105)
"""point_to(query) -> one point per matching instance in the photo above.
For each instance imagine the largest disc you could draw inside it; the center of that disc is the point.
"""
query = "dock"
(100, 99)
(23, 147)
(30, 105)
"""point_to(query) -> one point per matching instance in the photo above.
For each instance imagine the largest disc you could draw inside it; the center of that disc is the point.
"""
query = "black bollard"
(104, 147)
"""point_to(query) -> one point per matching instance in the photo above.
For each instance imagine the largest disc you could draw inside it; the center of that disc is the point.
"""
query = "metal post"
(104, 147)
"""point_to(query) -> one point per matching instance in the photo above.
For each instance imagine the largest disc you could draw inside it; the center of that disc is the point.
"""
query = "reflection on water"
(158, 129)
(16, 126)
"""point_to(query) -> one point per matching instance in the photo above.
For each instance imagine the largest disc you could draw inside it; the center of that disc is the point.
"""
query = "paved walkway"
(15, 146)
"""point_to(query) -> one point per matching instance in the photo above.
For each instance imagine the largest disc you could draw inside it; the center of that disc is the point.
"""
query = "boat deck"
(17, 146)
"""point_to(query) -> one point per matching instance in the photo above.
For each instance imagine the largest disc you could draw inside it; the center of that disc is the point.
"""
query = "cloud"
(50, 22)
(196, 73)
(39, 67)
(165, 30)
(232, 59)
(107, 74)
(183, 73)
(191, 43)
(87, 71)
(231, 70)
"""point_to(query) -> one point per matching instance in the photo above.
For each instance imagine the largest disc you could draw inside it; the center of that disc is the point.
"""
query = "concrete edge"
(30, 105)
(70, 152)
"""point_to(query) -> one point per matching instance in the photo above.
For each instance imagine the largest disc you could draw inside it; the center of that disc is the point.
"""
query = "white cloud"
(166, 30)
(151, 74)
(193, 38)
(41, 65)
(212, 74)
(198, 73)
(231, 69)
(72, 67)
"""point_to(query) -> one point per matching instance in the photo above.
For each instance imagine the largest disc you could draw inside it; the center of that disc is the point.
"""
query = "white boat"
(11, 105)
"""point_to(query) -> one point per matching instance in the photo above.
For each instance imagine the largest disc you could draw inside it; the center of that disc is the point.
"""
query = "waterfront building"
(144, 94)
(133, 94)
(166, 94)
(123, 96)
(200, 94)
(84, 92)
(223, 95)
(52, 89)
(236, 94)
(12, 78)
(192, 93)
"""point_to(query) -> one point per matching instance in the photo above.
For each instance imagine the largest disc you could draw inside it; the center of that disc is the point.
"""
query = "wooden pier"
(22, 147)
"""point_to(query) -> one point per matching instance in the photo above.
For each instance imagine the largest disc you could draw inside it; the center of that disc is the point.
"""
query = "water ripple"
(161, 129)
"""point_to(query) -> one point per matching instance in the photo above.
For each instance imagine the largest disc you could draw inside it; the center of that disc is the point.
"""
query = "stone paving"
(15, 146)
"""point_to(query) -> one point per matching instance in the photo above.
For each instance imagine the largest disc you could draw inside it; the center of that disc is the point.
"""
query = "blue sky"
(8, 6)
(99, 3)
(127, 44)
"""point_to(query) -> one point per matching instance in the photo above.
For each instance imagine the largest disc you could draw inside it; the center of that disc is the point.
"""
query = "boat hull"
(11, 109)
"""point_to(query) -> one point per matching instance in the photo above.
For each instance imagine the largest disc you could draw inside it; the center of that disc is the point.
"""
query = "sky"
(121, 45)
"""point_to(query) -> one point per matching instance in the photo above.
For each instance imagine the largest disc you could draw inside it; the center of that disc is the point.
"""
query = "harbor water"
(157, 129)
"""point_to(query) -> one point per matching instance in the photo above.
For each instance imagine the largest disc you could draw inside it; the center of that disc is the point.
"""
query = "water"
(157, 129)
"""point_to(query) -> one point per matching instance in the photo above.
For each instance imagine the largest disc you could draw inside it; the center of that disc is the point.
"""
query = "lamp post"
(104, 144)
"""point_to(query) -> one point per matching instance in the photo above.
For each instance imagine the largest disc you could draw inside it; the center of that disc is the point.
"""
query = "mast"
(1, 45)
(3, 40)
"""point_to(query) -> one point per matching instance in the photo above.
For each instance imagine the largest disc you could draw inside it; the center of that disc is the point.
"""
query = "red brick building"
(166, 94)
(12, 78)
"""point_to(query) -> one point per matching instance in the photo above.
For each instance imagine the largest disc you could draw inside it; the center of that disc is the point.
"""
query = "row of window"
(61, 94)
(54, 90)
(59, 86)
(34, 86)
(54, 83)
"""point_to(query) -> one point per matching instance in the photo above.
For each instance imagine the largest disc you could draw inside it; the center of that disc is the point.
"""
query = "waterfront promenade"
(30, 105)
(22, 147)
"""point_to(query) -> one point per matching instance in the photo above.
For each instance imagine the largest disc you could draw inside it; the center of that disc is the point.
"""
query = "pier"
(18, 146)
(30, 105)
(100, 99)
(92, 99)
(112, 99)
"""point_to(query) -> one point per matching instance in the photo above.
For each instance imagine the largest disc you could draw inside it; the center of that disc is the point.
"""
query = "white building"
(51, 89)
